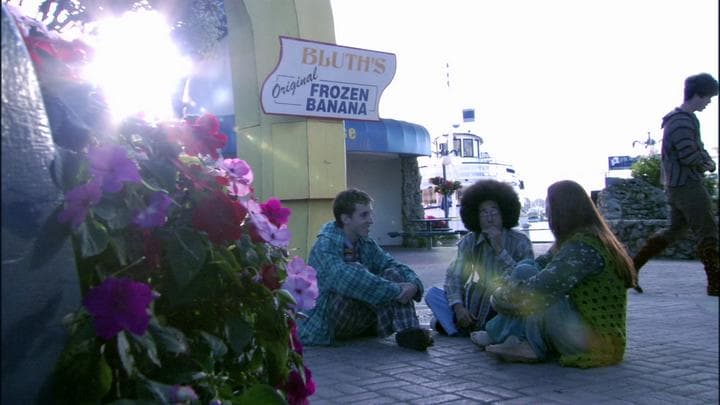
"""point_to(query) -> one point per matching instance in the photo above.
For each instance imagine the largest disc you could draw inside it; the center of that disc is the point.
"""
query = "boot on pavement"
(708, 252)
(414, 338)
(653, 247)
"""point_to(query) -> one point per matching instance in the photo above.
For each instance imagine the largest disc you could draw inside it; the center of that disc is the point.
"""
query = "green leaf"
(238, 333)
(169, 339)
(51, 239)
(261, 394)
(120, 248)
(82, 377)
(217, 347)
(162, 175)
(186, 252)
(148, 343)
(161, 392)
(114, 212)
(93, 238)
(285, 298)
(65, 168)
(126, 357)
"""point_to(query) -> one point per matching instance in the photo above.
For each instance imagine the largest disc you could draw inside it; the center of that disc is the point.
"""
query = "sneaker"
(481, 338)
(514, 350)
(414, 338)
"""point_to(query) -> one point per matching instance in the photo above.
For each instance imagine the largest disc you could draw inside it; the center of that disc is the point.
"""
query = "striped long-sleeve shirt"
(684, 158)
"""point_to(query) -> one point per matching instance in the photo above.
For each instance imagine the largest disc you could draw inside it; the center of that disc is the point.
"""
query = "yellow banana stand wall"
(300, 161)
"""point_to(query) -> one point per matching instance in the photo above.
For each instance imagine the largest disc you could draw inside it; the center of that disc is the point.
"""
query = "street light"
(446, 161)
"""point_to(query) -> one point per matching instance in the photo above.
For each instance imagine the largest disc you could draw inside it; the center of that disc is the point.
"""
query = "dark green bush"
(647, 168)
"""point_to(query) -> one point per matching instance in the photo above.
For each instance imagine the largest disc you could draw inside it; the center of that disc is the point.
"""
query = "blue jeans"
(559, 328)
(437, 301)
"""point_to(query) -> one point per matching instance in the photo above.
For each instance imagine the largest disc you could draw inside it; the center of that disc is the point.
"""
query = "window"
(468, 148)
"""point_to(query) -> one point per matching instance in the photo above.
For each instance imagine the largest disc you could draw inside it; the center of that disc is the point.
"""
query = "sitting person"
(363, 290)
(572, 301)
(489, 209)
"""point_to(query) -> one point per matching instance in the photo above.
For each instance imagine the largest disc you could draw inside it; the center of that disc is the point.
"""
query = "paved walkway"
(671, 358)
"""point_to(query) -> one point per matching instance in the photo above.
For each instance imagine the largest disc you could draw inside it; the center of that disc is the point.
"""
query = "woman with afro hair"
(489, 209)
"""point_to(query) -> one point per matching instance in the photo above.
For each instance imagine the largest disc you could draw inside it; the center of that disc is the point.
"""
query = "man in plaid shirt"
(363, 290)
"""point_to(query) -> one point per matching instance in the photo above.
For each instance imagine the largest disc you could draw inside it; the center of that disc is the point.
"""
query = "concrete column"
(298, 160)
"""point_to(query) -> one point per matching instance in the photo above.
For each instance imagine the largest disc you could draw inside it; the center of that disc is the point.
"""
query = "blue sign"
(469, 115)
(621, 162)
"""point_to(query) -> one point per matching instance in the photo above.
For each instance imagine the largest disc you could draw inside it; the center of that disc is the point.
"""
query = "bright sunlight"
(137, 64)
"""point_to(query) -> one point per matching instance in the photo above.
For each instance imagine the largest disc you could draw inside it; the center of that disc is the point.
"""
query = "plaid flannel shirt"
(336, 276)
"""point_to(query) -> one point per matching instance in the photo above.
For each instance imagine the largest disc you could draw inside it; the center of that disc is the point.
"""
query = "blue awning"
(387, 136)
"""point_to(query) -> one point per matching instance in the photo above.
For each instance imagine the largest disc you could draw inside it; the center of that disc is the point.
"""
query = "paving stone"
(436, 399)
(478, 395)
(667, 361)
(399, 394)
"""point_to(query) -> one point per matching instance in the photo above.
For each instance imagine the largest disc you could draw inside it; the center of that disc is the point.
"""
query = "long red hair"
(570, 210)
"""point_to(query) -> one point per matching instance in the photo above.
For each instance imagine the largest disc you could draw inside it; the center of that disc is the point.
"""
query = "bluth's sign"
(323, 80)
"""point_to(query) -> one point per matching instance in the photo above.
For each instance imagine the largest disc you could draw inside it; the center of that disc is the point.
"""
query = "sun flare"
(137, 65)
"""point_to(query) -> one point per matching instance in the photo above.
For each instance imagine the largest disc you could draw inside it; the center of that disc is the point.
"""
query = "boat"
(460, 157)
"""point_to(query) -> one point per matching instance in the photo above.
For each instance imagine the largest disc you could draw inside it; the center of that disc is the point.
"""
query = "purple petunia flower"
(297, 267)
(111, 166)
(119, 304)
(276, 236)
(304, 291)
(240, 176)
(155, 214)
(78, 201)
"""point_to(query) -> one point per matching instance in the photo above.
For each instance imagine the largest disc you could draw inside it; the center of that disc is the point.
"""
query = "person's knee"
(393, 274)
(525, 269)
(433, 295)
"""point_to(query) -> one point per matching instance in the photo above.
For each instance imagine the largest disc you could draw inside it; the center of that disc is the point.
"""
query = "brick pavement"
(671, 358)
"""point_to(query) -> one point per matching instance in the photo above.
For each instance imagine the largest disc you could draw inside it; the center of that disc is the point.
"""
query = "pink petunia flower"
(119, 304)
(201, 137)
(298, 390)
(275, 212)
(276, 236)
(155, 214)
(239, 174)
(298, 268)
(304, 291)
(78, 201)
(111, 166)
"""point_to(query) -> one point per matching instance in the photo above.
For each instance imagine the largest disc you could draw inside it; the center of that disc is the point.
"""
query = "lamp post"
(446, 160)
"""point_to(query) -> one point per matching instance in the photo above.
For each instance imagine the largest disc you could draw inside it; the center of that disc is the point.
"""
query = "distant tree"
(647, 168)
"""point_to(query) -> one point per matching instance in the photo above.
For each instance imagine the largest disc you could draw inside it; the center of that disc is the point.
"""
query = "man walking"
(684, 162)
(363, 290)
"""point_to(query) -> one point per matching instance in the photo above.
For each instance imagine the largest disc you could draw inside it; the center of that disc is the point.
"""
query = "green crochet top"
(601, 300)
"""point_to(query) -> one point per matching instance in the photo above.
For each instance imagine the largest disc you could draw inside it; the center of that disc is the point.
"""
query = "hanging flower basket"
(444, 186)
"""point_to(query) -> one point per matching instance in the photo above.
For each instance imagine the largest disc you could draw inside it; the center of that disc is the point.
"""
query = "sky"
(557, 85)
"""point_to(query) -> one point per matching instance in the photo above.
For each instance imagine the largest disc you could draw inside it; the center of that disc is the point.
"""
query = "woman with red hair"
(570, 302)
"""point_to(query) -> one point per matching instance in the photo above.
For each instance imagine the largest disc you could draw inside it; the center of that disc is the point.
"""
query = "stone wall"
(411, 199)
(635, 210)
